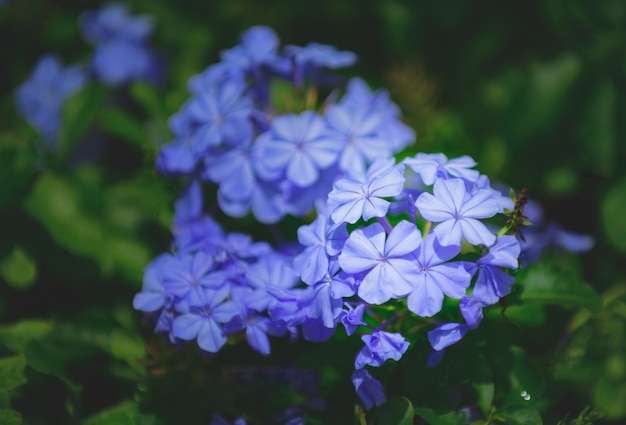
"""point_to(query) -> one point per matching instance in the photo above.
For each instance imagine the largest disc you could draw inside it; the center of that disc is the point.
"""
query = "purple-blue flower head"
(492, 282)
(446, 335)
(114, 22)
(203, 322)
(457, 212)
(436, 276)
(187, 276)
(379, 347)
(258, 46)
(369, 389)
(433, 166)
(220, 116)
(313, 58)
(320, 55)
(153, 296)
(390, 271)
(40, 98)
(121, 53)
(119, 61)
(297, 146)
(361, 196)
(352, 318)
(472, 311)
(358, 131)
(270, 278)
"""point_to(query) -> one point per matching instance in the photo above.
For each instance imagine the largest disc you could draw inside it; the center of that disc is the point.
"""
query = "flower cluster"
(253, 126)
(40, 99)
(117, 38)
(389, 241)
(121, 55)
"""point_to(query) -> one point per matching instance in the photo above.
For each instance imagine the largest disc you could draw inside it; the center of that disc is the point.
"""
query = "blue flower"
(390, 272)
(379, 347)
(358, 131)
(359, 196)
(258, 46)
(203, 322)
(153, 297)
(113, 21)
(436, 276)
(187, 276)
(458, 211)
(320, 239)
(472, 311)
(446, 335)
(219, 116)
(298, 146)
(368, 388)
(40, 99)
(492, 282)
(433, 166)
(352, 318)
(117, 62)
(121, 54)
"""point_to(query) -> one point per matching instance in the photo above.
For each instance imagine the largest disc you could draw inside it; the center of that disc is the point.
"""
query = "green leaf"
(525, 314)
(609, 395)
(17, 165)
(18, 269)
(125, 413)
(10, 417)
(395, 411)
(12, 372)
(613, 208)
(149, 98)
(433, 418)
(546, 284)
(121, 124)
(17, 335)
(79, 112)
(57, 205)
(599, 129)
(128, 347)
(521, 415)
(485, 395)
(549, 84)
(527, 384)
(49, 359)
(5, 400)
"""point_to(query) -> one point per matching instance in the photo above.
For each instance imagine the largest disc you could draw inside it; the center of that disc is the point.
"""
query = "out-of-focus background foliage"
(535, 91)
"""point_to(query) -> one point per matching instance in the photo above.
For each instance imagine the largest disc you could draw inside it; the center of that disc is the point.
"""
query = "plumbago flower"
(286, 147)
(121, 52)
(386, 243)
(40, 99)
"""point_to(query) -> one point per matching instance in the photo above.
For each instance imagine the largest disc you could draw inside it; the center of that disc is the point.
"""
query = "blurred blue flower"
(298, 147)
(121, 54)
(40, 99)
(117, 62)
(203, 322)
(113, 22)
(369, 389)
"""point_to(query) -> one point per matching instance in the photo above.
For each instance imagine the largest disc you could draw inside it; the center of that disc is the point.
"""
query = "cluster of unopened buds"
(388, 242)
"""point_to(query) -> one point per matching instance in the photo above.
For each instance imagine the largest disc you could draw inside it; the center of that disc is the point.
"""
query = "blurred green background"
(535, 91)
